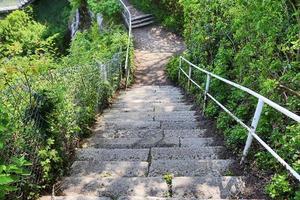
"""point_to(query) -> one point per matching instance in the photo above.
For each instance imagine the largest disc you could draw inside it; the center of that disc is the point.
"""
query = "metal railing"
(261, 101)
(127, 17)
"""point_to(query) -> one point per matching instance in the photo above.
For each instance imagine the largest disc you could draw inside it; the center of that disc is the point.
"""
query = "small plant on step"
(168, 177)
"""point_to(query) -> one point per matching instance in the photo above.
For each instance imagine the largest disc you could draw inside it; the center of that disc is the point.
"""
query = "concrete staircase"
(150, 132)
(139, 19)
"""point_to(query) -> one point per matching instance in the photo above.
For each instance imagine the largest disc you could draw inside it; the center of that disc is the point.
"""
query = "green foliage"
(171, 70)
(12, 174)
(168, 177)
(108, 8)
(49, 104)
(21, 36)
(168, 12)
(236, 40)
(55, 15)
(279, 187)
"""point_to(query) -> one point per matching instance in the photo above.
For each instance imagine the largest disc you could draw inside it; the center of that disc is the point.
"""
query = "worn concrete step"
(189, 167)
(170, 108)
(143, 20)
(148, 118)
(109, 168)
(142, 105)
(141, 17)
(153, 87)
(197, 153)
(134, 143)
(128, 117)
(175, 118)
(143, 133)
(151, 96)
(197, 142)
(185, 133)
(152, 108)
(134, 124)
(208, 187)
(117, 125)
(112, 154)
(168, 198)
(135, 133)
(137, 101)
(179, 125)
(149, 114)
(193, 188)
(75, 197)
(115, 187)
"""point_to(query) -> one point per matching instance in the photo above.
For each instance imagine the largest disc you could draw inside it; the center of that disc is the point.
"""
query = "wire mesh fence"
(47, 113)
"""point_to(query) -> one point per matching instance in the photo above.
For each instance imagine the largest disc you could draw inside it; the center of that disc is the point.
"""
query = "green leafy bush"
(48, 103)
(108, 8)
(236, 40)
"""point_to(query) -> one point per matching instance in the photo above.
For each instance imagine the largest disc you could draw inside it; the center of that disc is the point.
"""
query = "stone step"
(148, 118)
(208, 187)
(112, 154)
(166, 198)
(75, 197)
(153, 87)
(121, 124)
(115, 187)
(141, 17)
(197, 153)
(109, 169)
(179, 125)
(128, 118)
(133, 143)
(185, 133)
(151, 108)
(152, 96)
(197, 142)
(139, 133)
(152, 114)
(142, 105)
(175, 118)
(138, 101)
(193, 188)
(142, 20)
(170, 108)
(189, 167)
(135, 133)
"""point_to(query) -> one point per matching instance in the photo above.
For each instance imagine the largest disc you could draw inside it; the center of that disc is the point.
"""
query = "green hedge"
(256, 44)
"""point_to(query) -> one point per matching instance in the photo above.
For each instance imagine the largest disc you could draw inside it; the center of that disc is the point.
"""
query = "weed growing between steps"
(168, 177)
(49, 101)
(236, 40)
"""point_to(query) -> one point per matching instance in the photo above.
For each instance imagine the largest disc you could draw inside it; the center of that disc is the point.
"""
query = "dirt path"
(154, 45)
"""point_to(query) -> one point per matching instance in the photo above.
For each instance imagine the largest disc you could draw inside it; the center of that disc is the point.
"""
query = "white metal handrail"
(128, 18)
(261, 101)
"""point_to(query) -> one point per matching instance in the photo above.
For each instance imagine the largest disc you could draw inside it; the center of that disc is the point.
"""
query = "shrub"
(236, 40)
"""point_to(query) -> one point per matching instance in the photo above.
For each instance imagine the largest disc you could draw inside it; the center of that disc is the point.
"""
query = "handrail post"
(254, 124)
(190, 77)
(180, 64)
(206, 91)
